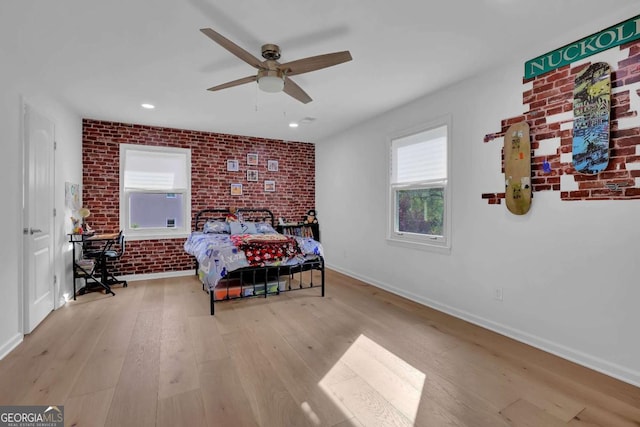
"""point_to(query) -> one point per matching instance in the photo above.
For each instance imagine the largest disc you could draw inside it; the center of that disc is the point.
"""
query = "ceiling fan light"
(271, 81)
(271, 84)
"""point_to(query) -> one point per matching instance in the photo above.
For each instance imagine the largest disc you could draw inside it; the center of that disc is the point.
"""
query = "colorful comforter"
(219, 254)
(263, 249)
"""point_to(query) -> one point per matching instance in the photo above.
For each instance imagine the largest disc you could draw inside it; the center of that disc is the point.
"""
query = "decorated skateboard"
(517, 168)
(591, 110)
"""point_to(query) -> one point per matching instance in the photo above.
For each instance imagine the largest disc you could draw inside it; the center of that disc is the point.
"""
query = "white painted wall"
(569, 270)
(15, 87)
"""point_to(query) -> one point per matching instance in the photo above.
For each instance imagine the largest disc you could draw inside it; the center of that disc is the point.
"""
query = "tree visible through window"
(418, 187)
(421, 211)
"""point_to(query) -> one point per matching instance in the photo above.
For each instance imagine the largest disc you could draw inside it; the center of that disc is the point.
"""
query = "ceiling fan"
(273, 76)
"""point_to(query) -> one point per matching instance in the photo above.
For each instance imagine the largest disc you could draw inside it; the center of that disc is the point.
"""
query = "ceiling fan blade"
(295, 91)
(313, 63)
(232, 47)
(234, 83)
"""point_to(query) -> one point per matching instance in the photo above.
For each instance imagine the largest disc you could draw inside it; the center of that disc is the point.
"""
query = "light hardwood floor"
(152, 356)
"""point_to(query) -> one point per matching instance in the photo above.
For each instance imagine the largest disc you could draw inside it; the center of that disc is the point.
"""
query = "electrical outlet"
(497, 294)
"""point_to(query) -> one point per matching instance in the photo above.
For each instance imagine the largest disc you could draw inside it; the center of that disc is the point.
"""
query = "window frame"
(415, 240)
(155, 233)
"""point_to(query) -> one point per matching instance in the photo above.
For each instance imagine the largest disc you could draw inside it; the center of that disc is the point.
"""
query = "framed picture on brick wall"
(236, 189)
(272, 165)
(270, 186)
(252, 159)
(233, 165)
(252, 175)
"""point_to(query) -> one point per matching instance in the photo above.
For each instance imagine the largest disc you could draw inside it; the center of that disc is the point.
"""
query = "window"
(418, 187)
(155, 191)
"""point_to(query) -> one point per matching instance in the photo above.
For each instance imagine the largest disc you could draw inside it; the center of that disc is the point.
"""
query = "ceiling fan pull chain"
(256, 106)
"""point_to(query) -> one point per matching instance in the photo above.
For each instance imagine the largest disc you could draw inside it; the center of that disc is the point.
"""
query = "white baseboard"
(10, 345)
(597, 364)
(161, 275)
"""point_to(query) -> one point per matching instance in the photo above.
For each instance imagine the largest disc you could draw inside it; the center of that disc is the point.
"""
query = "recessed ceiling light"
(293, 125)
(148, 106)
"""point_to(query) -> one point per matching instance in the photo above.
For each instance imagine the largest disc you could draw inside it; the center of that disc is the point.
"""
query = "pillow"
(264, 228)
(213, 226)
(243, 228)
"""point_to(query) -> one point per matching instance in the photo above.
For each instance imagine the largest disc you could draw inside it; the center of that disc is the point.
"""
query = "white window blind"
(152, 170)
(420, 157)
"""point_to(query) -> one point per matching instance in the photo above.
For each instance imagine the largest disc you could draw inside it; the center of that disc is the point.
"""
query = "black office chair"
(111, 255)
(95, 249)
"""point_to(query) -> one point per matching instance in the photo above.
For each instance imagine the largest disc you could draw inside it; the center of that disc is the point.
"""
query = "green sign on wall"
(606, 39)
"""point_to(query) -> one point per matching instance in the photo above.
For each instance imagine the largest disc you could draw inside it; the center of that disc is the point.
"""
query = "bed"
(249, 258)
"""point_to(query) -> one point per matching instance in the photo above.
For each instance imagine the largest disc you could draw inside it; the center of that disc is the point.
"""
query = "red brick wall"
(552, 93)
(210, 182)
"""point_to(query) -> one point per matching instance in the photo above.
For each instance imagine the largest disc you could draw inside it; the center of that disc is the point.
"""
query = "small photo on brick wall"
(252, 159)
(233, 165)
(272, 165)
(270, 186)
(252, 175)
(236, 189)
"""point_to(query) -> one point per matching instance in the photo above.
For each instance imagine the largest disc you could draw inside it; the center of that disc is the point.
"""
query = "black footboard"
(252, 282)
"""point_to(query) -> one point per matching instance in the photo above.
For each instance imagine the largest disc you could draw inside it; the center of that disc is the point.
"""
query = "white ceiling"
(104, 58)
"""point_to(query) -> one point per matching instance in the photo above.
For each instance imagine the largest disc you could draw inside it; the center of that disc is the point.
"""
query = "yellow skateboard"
(517, 168)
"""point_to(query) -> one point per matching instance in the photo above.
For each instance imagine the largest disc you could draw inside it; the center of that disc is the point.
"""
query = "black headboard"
(247, 214)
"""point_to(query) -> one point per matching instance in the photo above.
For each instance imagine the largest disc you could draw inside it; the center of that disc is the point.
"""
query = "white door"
(38, 218)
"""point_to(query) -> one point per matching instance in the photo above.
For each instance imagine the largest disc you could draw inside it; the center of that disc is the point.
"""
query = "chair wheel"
(125, 285)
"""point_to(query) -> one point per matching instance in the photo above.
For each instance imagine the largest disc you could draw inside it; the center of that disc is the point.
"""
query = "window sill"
(156, 236)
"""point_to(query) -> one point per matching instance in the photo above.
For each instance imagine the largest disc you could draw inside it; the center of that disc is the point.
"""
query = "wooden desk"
(89, 268)
(100, 237)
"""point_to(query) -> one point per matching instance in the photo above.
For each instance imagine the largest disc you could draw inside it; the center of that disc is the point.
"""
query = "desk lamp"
(84, 213)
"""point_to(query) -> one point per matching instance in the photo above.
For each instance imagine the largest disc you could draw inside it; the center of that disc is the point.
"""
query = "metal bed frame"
(259, 281)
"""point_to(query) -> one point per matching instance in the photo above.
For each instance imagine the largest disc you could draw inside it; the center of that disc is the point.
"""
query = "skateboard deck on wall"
(591, 111)
(517, 168)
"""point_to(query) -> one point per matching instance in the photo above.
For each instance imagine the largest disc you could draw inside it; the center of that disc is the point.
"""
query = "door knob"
(35, 230)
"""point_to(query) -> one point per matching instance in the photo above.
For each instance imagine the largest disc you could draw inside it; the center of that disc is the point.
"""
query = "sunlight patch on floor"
(374, 385)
